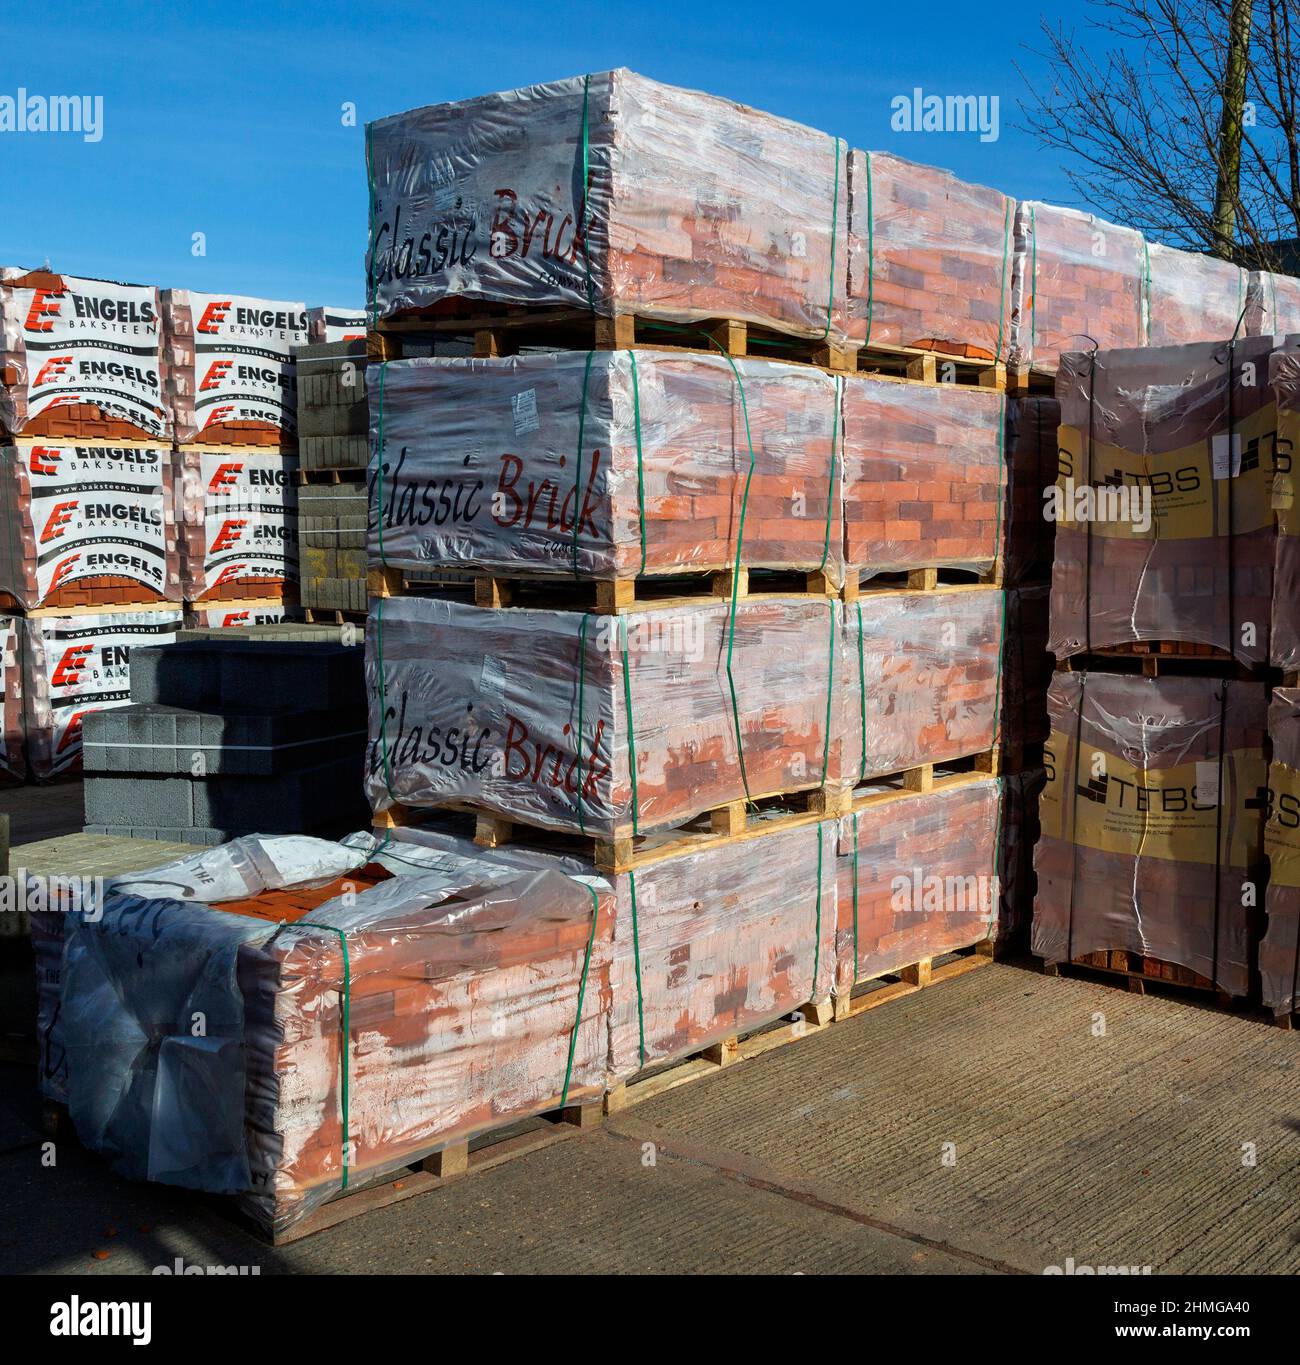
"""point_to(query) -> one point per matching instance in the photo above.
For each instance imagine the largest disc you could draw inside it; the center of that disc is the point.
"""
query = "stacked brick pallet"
(1172, 557)
(89, 552)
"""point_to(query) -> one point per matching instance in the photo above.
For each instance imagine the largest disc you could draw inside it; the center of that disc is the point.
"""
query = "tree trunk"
(1228, 182)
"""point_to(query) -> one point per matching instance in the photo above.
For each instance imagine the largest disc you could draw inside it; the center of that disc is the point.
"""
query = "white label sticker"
(524, 406)
(1207, 783)
(1219, 455)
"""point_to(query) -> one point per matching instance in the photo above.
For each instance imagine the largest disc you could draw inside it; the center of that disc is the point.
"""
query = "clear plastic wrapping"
(614, 194)
(482, 465)
(87, 525)
(239, 522)
(917, 876)
(925, 477)
(1144, 444)
(1279, 948)
(1031, 459)
(1077, 281)
(81, 359)
(1153, 822)
(1285, 377)
(930, 259)
(74, 664)
(928, 665)
(230, 366)
(1193, 297)
(1274, 304)
(543, 716)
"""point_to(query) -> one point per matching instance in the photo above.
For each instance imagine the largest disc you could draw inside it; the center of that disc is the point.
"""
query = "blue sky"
(226, 119)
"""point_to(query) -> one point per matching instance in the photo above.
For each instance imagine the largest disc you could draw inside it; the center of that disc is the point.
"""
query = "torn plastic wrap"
(13, 729)
(1146, 494)
(925, 477)
(239, 531)
(1020, 794)
(231, 378)
(1031, 457)
(1027, 667)
(917, 876)
(930, 259)
(81, 359)
(1285, 377)
(694, 207)
(1274, 304)
(1279, 949)
(1193, 297)
(1078, 281)
(1153, 822)
(928, 665)
(709, 942)
(87, 525)
(604, 725)
(74, 664)
(335, 324)
(487, 463)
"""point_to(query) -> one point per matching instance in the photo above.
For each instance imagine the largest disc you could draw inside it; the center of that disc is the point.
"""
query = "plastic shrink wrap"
(239, 523)
(335, 324)
(1026, 667)
(486, 464)
(1020, 795)
(1144, 442)
(1078, 281)
(230, 367)
(925, 476)
(1274, 304)
(1153, 822)
(1279, 949)
(465, 995)
(921, 678)
(1193, 297)
(75, 664)
(81, 359)
(86, 525)
(1031, 457)
(611, 194)
(930, 259)
(13, 731)
(608, 726)
(1285, 375)
(917, 875)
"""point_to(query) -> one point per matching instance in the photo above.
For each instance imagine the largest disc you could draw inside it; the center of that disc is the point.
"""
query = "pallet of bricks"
(90, 563)
(1166, 851)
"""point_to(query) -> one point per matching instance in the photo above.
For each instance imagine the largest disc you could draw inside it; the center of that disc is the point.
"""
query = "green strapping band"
(830, 488)
(582, 688)
(582, 991)
(636, 957)
(631, 733)
(640, 456)
(871, 253)
(830, 693)
(1002, 287)
(817, 945)
(577, 469)
(862, 694)
(855, 897)
(586, 189)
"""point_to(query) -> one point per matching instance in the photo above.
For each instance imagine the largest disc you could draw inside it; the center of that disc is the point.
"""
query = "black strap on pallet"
(1074, 817)
(1218, 826)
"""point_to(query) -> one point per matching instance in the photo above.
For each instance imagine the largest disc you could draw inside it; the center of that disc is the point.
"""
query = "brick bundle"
(1153, 821)
(239, 530)
(75, 664)
(920, 678)
(536, 715)
(1159, 419)
(230, 367)
(1279, 949)
(1078, 281)
(327, 326)
(1193, 297)
(487, 464)
(86, 525)
(80, 358)
(693, 207)
(1274, 304)
(925, 476)
(1031, 433)
(917, 876)
(930, 259)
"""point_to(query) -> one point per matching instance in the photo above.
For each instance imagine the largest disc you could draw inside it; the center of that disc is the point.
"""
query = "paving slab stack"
(1173, 623)
(705, 657)
(90, 561)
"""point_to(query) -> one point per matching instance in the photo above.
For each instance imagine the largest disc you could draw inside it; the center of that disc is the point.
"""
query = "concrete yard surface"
(1001, 1121)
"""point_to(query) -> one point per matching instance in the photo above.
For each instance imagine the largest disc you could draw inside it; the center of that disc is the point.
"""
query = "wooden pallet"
(932, 365)
(341, 474)
(978, 573)
(1138, 972)
(505, 329)
(1025, 382)
(333, 616)
(911, 977)
(101, 608)
(1158, 658)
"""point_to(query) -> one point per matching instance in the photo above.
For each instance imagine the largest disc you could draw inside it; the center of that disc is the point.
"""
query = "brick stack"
(327, 326)
(1191, 297)
(1274, 304)
(88, 543)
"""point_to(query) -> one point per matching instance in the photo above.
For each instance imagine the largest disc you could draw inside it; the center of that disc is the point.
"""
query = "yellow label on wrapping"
(1170, 495)
(1169, 813)
(1282, 832)
(1288, 432)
